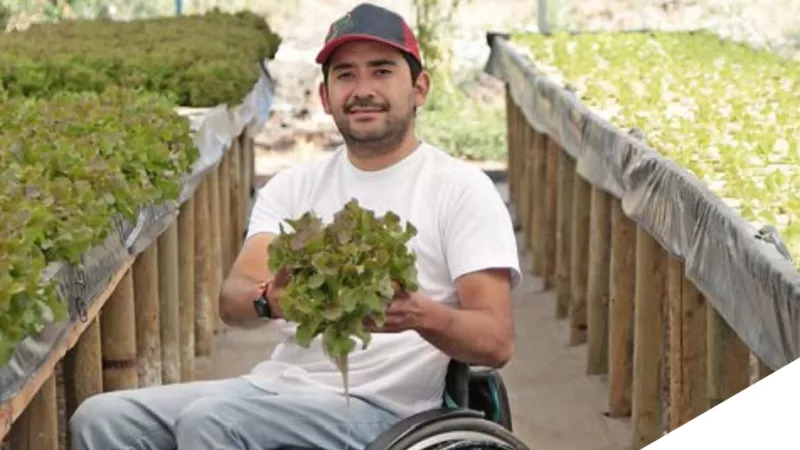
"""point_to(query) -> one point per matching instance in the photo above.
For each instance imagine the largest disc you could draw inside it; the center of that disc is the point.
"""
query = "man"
(466, 260)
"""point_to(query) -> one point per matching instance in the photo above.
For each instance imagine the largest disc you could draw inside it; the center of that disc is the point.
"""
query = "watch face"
(262, 307)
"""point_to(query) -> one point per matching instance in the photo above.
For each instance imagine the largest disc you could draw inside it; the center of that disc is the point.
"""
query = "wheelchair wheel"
(462, 433)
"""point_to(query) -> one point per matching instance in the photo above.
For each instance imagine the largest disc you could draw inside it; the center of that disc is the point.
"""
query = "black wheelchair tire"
(476, 427)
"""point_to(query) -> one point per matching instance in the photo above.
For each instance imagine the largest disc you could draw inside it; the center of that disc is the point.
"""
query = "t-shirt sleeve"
(272, 207)
(479, 233)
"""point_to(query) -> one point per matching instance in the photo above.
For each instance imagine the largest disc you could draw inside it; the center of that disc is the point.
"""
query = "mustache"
(365, 103)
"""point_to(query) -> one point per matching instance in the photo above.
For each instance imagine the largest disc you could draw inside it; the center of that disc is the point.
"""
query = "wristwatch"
(261, 304)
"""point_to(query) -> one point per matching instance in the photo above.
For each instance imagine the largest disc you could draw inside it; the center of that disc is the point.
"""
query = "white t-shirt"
(463, 226)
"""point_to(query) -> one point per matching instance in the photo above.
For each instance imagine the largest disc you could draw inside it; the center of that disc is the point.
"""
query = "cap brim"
(329, 48)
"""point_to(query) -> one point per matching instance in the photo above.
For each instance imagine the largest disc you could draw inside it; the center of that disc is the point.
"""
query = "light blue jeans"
(225, 414)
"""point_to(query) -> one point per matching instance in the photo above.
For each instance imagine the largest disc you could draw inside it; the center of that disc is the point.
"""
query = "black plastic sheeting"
(213, 131)
(746, 278)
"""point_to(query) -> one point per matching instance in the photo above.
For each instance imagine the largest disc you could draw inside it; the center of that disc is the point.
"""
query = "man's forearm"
(236, 301)
(468, 336)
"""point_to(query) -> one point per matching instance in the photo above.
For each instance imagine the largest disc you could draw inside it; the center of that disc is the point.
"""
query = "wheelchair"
(475, 414)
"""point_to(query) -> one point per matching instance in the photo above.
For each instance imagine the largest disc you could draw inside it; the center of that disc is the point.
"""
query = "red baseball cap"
(370, 22)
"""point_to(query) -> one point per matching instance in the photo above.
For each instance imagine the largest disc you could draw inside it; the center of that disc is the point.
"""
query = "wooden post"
(236, 200)
(61, 401)
(598, 281)
(511, 145)
(521, 142)
(651, 290)
(168, 296)
(186, 298)
(687, 350)
(537, 200)
(203, 276)
(526, 184)
(225, 211)
(565, 193)
(622, 271)
(248, 170)
(83, 368)
(118, 334)
(728, 360)
(37, 427)
(148, 318)
(579, 273)
(550, 212)
(216, 250)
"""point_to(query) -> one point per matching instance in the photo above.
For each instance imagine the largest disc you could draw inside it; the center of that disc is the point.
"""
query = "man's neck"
(384, 160)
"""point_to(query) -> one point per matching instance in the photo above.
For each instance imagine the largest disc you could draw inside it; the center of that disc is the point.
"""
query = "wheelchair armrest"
(405, 426)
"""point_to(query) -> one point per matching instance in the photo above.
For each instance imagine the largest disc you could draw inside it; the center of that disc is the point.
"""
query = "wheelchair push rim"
(462, 440)
(460, 433)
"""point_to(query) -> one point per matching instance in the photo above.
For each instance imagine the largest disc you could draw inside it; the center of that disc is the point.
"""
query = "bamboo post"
(622, 271)
(598, 281)
(581, 204)
(649, 297)
(687, 349)
(118, 333)
(728, 360)
(37, 426)
(226, 223)
(186, 298)
(168, 296)
(148, 318)
(537, 200)
(216, 249)
(203, 276)
(236, 200)
(565, 193)
(550, 212)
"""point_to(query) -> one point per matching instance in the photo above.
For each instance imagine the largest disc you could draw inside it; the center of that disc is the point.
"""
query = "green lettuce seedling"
(342, 275)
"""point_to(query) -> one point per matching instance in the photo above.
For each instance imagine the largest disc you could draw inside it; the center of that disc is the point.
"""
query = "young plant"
(342, 275)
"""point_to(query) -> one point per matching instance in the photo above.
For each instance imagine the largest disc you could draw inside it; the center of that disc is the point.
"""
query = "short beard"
(375, 145)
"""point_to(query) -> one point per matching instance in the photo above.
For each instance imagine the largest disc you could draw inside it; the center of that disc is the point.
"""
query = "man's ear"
(323, 95)
(422, 88)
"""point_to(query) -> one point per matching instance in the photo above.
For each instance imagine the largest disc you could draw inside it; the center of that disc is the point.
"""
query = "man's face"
(371, 96)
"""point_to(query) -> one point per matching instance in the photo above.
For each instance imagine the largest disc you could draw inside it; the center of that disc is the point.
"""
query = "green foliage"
(68, 166)
(728, 113)
(342, 274)
(5, 16)
(194, 60)
(434, 23)
(463, 126)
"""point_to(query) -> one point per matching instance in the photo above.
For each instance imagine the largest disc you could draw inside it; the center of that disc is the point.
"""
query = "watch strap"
(261, 305)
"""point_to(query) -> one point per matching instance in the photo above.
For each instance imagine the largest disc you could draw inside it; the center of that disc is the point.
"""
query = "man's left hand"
(407, 311)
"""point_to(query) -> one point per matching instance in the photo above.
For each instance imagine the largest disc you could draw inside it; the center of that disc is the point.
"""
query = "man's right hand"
(275, 291)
